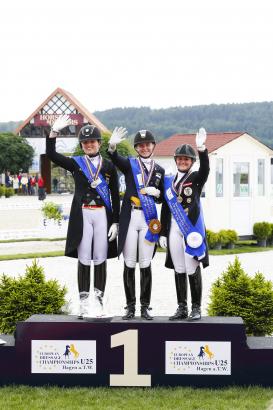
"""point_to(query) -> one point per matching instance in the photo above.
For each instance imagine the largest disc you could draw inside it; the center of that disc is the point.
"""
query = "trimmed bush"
(2, 190)
(212, 238)
(270, 238)
(235, 293)
(28, 295)
(9, 192)
(52, 211)
(261, 230)
(232, 236)
(223, 237)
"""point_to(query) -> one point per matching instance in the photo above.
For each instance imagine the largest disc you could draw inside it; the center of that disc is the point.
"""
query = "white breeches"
(183, 263)
(135, 239)
(94, 237)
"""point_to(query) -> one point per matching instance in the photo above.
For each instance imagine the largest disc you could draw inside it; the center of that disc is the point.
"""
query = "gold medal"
(155, 226)
(142, 191)
(179, 199)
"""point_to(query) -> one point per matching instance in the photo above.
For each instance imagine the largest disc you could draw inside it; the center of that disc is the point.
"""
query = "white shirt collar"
(95, 158)
(146, 161)
(180, 175)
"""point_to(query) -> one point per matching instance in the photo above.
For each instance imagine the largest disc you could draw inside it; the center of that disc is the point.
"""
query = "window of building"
(241, 179)
(219, 188)
(261, 168)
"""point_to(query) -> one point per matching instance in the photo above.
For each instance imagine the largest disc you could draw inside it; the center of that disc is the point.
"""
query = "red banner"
(45, 120)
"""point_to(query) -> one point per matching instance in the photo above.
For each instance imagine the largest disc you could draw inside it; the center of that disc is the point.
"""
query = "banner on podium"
(63, 356)
(202, 358)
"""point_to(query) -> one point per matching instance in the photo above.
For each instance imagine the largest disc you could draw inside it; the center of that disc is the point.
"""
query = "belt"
(136, 207)
(86, 206)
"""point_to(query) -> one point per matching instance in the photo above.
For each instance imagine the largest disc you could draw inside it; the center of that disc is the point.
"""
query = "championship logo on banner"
(63, 356)
(203, 358)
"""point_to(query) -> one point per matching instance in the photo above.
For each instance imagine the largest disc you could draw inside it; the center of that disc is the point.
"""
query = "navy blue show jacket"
(84, 193)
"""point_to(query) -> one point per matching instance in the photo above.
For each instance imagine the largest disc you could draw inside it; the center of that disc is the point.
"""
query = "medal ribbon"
(146, 178)
(90, 171)
(147, 202)
(95, 174)
(182, 180)
(183, 221)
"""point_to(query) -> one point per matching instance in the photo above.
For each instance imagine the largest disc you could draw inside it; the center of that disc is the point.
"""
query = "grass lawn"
(32, 240)
(233, 398)
(32, 255)
(240, 249)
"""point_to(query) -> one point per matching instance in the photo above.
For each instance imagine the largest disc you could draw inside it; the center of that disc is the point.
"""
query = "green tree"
(235, 293)
(124, 148)
(28, 295)
(15, 153)
(254, 118)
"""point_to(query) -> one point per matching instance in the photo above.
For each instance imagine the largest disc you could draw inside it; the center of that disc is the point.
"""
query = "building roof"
(73, 100)
(214, 141)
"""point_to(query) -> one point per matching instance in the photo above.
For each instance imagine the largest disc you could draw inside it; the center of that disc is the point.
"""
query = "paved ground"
(13, 248)
(22, 217)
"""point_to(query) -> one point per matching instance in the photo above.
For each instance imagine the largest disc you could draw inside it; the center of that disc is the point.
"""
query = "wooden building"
(38, 124)
(239, 190)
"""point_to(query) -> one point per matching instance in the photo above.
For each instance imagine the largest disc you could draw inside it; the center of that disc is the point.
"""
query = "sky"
(132, 53)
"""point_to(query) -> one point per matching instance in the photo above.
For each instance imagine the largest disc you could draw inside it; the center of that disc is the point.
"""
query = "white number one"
(130, 377)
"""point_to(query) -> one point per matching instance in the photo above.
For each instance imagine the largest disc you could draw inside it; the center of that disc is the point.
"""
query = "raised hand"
(61, 122)
(117, 136)
(200, 139)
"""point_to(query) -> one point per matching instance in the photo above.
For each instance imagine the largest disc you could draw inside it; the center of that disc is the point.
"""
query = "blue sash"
(183, 221)
(147, 202)
(102, 188)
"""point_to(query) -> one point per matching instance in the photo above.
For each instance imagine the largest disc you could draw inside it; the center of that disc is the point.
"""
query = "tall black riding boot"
(196, 294)
(145, 291)
(100, 273)
(84, 287)
(130, 292)
(181, 284)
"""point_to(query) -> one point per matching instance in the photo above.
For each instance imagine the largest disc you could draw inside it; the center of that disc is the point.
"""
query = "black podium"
(63, 350)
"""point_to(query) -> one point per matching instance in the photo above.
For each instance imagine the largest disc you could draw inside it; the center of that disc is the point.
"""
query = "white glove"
(61, 122)
(163, 242)
(117, 136)
(113, 232)
(200, 139)
(151, 190)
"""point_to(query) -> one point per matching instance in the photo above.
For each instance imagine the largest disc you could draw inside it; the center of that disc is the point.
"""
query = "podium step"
(67, 351)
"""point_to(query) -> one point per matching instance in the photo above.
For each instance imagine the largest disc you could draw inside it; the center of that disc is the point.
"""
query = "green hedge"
(53, 211)
(223, 237)
(7, 192)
